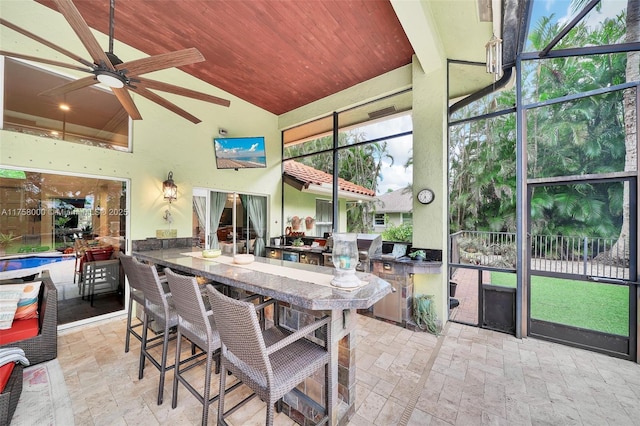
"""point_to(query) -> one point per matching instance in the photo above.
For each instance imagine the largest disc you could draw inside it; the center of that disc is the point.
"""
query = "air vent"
(382, 112)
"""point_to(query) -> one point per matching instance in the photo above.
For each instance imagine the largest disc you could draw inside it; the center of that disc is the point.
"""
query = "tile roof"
(307, 175)
(398, 201)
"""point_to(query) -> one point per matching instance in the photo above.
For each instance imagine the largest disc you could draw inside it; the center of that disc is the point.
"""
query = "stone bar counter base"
(305, 405)
(300, 302)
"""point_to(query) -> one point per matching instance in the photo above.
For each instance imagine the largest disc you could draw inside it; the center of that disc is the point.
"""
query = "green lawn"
(594, 306)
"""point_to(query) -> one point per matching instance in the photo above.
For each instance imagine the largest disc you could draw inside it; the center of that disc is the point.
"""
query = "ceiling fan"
(108, 69)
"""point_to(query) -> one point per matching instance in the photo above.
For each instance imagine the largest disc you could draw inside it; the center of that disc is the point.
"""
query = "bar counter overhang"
(301, 301)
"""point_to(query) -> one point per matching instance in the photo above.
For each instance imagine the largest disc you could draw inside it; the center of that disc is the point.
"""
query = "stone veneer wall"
(161, 243)
(307, 406)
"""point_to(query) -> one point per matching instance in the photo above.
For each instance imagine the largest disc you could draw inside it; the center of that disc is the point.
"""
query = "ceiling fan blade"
(82, 30)
(46, 43)
(70, 87)
(127, 103)
(161, 61)
(165, 103)
(43, 61)
(177, 90)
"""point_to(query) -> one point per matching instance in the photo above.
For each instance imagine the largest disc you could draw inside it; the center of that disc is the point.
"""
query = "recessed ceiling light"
(64, 107)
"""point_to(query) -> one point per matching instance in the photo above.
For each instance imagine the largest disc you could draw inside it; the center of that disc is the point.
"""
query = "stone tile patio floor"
(467, 376)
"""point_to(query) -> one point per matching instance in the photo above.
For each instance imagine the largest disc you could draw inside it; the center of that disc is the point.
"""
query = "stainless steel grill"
(369, 245)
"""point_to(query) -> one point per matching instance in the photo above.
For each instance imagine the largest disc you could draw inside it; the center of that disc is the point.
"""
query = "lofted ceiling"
(283, 54)
(278, 55)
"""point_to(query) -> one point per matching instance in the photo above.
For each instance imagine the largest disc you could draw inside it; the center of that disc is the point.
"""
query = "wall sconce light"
(170, 189)
(494, 57)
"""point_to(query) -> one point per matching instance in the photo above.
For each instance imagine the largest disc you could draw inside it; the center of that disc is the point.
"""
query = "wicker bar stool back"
(196, 324)
(271, 362)
(159, 309)
(135, 295)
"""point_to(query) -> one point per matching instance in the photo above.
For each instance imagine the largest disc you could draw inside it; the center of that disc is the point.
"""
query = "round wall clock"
(425, 196)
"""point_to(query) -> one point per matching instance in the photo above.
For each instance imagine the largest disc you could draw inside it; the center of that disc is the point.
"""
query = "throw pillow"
(28, 303)
(9, 296)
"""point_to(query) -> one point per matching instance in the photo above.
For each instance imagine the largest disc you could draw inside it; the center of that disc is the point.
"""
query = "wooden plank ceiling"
(278, 55)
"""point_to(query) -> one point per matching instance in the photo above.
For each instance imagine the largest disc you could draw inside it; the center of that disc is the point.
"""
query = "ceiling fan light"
(110, 80)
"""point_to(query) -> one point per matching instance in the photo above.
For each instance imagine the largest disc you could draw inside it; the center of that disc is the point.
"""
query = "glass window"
(379, 219)
(324, 213)
(548, 79)
(374, 152)
(63, 223)
(311, 137)
(375, 120)
(482, 174)
(548, 19)
(580, 137)
(308, 192)
(90, 116)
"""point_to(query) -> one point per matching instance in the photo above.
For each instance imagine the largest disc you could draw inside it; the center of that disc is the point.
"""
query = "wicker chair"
(196, 324)
(44, 346)
(11, 395)
(270, 362)
(135, 295)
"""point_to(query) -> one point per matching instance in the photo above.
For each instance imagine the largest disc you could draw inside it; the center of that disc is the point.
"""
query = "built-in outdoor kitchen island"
(304, 294)
(387, 260)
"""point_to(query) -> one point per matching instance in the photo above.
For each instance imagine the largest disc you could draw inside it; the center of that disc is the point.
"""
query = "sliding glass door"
(235, 223)
(55, 222)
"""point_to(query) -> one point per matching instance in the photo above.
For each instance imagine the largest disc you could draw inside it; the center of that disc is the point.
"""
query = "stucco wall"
(430, 171)
(303, 204)
(163, 141)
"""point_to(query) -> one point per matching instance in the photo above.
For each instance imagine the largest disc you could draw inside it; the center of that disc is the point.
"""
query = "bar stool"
(135, 295)
(158, 308)
(196, 324)
(270, 362)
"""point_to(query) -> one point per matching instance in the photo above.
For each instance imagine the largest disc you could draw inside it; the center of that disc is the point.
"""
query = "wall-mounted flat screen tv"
(240, 153)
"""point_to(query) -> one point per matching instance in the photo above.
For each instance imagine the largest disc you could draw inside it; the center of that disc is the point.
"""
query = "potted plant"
(5, 241)
(295, 223)
(418, 255)
(308, 222)
(87, 232)
(424, 314)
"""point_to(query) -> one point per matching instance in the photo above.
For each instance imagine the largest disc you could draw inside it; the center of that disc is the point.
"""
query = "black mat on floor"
(76, 309)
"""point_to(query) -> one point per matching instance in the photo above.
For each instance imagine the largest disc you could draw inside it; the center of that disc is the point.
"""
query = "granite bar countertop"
(297, 292)
(416, 266)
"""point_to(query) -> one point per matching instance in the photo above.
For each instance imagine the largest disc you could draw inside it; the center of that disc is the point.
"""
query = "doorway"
(234, 223)
(580, 287)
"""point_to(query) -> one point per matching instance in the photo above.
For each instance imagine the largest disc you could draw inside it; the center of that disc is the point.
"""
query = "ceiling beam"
(421, 30)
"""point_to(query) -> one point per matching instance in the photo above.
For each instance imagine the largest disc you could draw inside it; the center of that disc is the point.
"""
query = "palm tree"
(359, 163)
(573, 138)
(620, 251)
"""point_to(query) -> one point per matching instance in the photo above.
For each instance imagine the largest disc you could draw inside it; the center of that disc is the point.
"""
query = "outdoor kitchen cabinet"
(390, 306)
(397, 306)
